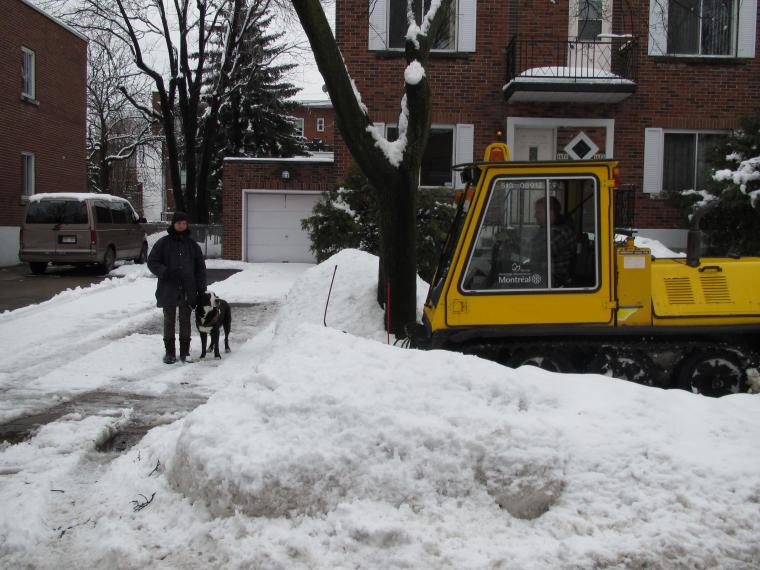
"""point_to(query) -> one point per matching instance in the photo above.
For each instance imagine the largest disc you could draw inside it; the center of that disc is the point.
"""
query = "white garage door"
(273, 227)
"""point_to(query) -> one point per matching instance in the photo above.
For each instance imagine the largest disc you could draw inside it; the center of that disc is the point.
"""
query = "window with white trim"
(398, 23)
(28, 74)
(684, 159)
(589, 20)
(388, 24)
(298, 123)
(702, 28)
(320, 125)
(27, 173)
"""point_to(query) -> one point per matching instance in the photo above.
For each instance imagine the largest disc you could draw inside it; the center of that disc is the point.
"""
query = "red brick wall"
(244, 174)
(310, 116)
(467, 88)
(53, 129)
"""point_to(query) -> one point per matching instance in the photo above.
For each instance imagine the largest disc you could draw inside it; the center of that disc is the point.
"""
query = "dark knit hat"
(179, 217)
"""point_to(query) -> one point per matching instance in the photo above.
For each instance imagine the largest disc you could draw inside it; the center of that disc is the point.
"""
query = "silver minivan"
(79, 229)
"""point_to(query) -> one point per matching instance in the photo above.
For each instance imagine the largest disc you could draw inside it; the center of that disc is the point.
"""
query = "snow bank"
(336, 451)
(352, 307)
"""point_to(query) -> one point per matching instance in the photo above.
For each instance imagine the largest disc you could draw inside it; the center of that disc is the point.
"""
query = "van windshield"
(57, 212)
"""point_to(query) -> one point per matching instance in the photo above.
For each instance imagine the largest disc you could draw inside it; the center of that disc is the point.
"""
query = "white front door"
(273, 227)
(534, 144)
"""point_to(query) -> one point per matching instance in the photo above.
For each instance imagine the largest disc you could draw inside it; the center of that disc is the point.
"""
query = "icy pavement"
(158, 401)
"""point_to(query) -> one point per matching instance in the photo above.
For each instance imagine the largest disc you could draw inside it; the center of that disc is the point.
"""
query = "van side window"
(536, 234)
(102, 212)
(119, 213)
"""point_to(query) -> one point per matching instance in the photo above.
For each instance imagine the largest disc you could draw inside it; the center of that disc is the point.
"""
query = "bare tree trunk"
(396, 185)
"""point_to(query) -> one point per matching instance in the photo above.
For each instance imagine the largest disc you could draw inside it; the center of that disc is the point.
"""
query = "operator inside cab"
(535, 234)
(563, 240)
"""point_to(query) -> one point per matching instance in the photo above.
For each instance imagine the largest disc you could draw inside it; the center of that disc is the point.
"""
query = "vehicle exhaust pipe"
(694, 237)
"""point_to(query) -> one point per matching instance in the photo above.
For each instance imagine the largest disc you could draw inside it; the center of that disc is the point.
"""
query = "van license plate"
(67, 239)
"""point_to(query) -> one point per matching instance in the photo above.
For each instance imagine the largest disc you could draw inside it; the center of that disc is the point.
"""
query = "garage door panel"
(266, 202)
(292, 254)
(275, 236)
(273, 227)
(277, 219)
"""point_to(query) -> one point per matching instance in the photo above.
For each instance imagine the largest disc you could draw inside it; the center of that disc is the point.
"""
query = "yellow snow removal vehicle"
(533, 272)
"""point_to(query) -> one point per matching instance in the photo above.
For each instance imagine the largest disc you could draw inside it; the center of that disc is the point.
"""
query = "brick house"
(42, 113)
(648, 82)
(315, 120)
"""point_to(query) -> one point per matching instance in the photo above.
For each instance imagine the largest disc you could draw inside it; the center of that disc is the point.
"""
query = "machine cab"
(530, 247)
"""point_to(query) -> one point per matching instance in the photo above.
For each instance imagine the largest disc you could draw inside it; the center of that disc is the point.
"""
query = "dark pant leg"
(170, 315)
(184, 321)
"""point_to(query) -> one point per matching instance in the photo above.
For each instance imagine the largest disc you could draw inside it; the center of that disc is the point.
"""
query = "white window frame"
(744, 23)
(654, 154)
(298, 122)
(320, 125)
(28, 76)
(464, 27)
(28, 172)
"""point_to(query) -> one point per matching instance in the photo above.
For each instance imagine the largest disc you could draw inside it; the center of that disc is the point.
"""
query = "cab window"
(536, 234)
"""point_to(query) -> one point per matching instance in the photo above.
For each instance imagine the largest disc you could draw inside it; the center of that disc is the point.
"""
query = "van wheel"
(38, 267)
(109, 259)
(143, 257)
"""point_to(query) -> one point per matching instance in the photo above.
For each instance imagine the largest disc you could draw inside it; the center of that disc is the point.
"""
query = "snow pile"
(338, 451)
(352, 307)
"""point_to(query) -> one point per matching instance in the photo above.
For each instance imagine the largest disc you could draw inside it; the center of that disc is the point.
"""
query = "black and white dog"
(211, 314)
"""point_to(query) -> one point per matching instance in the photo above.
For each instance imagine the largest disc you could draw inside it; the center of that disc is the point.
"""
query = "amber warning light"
(497, 152)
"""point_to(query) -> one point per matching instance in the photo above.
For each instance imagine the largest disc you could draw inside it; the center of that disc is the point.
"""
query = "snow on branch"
(393, 151)
(747, 171)
(414, 31)
(414, 73)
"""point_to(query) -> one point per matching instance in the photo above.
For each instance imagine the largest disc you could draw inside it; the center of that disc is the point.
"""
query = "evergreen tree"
(348, 218)
(254, 118)
(732, 225)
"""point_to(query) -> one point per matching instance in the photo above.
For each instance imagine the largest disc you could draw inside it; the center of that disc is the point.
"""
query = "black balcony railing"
(601, 61)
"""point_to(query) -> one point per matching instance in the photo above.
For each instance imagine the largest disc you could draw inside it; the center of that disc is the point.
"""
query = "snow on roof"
(321, 158)
(56, 20)
(80, 196)
(315, 103)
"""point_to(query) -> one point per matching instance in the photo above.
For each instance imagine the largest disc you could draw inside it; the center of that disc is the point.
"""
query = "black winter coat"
(177, 261)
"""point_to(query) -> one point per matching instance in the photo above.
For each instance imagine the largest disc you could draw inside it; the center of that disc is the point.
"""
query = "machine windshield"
(536, 234)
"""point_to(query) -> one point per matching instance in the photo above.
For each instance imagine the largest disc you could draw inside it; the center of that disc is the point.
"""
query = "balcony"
(569, 71)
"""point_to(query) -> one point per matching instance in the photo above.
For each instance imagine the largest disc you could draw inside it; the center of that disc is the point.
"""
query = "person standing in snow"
(177, 260)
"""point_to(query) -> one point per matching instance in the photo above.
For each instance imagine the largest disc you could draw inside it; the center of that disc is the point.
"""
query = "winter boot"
(171, 353)
(184, 350)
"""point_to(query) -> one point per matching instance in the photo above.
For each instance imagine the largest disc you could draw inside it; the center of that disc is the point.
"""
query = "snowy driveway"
(107, 338)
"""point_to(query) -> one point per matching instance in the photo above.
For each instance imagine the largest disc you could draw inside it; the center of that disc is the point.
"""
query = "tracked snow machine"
(534, 273)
